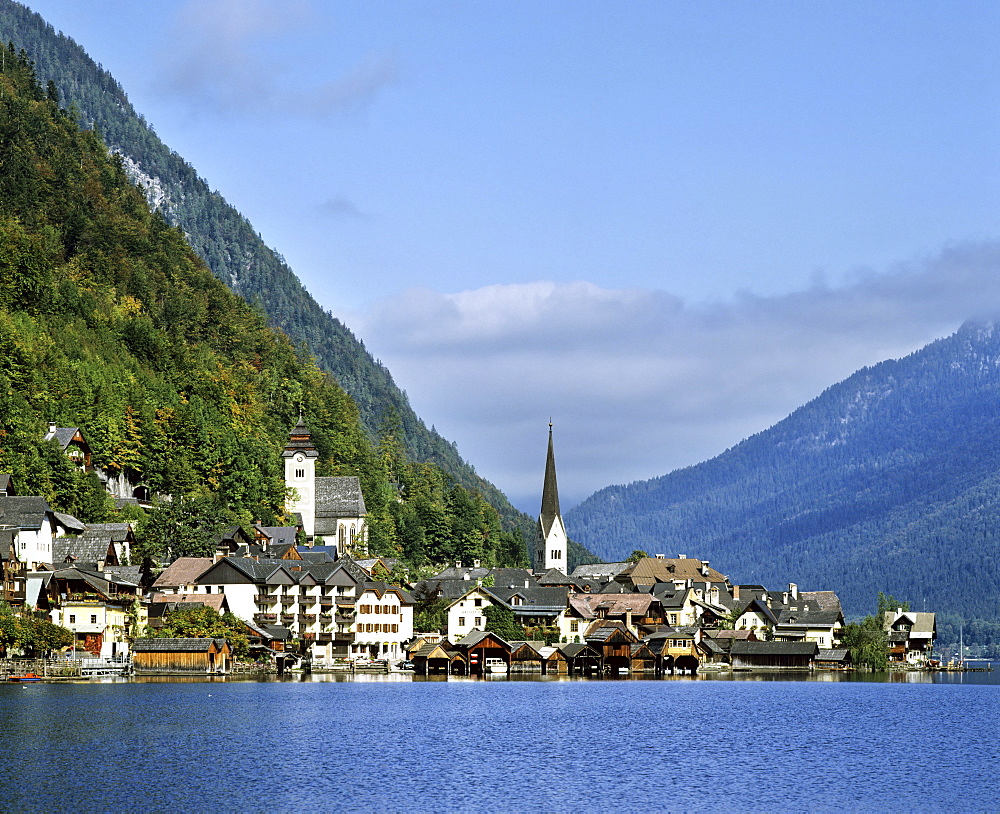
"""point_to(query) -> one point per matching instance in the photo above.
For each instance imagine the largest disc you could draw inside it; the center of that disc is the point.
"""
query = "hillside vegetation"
(888, 481)
(109, 321)
(234, 252)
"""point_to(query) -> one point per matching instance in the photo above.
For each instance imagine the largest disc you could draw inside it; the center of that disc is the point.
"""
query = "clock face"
(298, 458)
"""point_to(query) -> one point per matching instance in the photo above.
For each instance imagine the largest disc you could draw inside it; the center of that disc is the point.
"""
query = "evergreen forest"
(111, 322)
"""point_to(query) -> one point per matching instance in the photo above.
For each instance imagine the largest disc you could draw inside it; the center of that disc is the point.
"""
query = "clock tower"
(300, 475)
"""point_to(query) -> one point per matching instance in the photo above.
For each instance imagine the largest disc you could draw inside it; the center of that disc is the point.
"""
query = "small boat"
(25, 677)
(495, 666)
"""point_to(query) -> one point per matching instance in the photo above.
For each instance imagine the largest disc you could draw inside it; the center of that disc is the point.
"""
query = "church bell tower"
(550, 538)
(300, 475)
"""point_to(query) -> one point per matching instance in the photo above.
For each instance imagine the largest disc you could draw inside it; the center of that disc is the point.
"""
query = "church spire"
(550, 491)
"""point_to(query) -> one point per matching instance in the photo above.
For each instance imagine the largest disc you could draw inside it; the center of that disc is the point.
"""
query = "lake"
(762, 742)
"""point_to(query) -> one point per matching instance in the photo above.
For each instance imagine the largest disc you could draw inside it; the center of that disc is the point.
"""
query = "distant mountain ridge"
(232, 249)
(888, 481)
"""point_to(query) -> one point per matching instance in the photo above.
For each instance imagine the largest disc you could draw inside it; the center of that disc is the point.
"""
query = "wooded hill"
(234, 252)
(888, 481)
(109, 321)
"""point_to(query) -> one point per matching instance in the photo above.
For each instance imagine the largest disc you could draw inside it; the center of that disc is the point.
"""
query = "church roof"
(337, 497)
(300, 440)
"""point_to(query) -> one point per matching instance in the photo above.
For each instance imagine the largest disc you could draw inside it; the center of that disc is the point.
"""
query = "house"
(162, 604)
(681, 572)
(15, 574)
(38, 526)
(102, 611)
(384, 620)
(90, 549)
(526, 657)
(120, 535)
(808, 616)
(467, 612)
(332, 509)
(181, 576)
(180, 656)
(316, 602)
(911, 635)
(71, 441)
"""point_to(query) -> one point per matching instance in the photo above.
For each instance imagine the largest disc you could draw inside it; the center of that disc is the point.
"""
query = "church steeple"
(550, 540)
(550, 491)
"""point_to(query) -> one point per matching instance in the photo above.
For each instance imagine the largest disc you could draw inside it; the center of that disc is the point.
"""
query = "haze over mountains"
(888, 481)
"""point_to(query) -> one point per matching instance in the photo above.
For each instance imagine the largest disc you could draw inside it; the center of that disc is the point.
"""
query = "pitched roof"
(749, 648)
(176, 645)
(589, 606)
(650, 570)
(183, 571)
(27, 512)
(339, 497)
(601, 570)
(64, 436)
(90, 546)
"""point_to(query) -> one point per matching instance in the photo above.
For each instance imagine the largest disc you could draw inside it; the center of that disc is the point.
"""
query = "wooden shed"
(773, 655)
(180, 656)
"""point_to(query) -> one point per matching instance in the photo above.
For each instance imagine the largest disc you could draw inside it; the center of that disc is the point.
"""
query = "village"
(327, 606)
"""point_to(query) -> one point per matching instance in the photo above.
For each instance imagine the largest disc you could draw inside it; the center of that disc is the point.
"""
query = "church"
(330, 510)
(550, 533)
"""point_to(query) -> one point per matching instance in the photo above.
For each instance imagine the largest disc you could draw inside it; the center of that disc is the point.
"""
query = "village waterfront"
(762, 741)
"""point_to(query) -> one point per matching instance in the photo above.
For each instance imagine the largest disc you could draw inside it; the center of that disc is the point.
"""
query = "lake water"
(392, 743)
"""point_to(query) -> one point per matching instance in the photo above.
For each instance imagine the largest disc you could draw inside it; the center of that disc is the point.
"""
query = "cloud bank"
(638, 382)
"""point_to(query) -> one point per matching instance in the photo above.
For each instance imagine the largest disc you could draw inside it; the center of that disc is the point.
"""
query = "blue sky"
(665, 225)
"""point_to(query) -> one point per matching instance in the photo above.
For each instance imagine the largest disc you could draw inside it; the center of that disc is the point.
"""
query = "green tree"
(501, 620)
(867, 642)
(201, 622)
(636, 555)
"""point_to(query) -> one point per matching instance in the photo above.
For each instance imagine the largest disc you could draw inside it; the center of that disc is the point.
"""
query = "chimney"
(475, 563)
(660, 557)
(458, 563)
(704, 568)
(682, 556)
(525, 582)
(52, 427)
(736, 592)
(793, 589)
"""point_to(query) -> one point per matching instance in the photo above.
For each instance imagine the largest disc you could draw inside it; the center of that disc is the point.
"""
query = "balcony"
(326, 601)
(287, 618)
(307, 618)
(265, 599)
(265, 617)
(287, 600)
(326, 618)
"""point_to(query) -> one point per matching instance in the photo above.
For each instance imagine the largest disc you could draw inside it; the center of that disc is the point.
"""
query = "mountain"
(234, 252)
(111, 322)
(888, 481)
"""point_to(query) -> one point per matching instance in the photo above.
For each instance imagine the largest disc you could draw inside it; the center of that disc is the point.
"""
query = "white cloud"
(639, 383)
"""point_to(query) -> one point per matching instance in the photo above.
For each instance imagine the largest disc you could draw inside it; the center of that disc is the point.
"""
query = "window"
(300, 473)
(479, 603)
(93, 618)
(461, 621)
(555, 554)
(673, 618)
(574, 626)
(395, 628)
(479, 621)
(208, 589)
(72, 618)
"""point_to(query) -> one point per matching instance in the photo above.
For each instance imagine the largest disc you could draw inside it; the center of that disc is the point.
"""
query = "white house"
(384, 621)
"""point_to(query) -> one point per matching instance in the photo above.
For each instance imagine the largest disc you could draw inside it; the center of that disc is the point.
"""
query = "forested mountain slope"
(888, 481)
(232, 249)
(109, 321)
